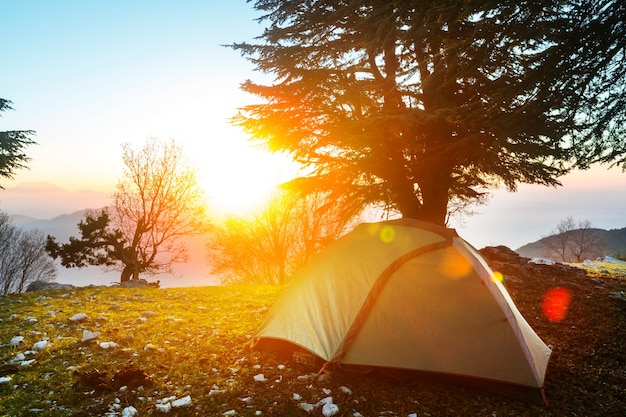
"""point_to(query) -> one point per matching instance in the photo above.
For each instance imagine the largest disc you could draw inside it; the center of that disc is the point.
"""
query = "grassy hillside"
(188, 351)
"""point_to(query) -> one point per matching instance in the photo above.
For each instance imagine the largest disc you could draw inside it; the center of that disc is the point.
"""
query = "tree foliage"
(271, 246)
(12, 145)
(573, 241)
(23, 258)
(418, 104)
(158, 201)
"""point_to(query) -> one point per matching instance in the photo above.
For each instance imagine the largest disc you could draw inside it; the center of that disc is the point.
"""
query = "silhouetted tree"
(23, 258)
(418, 104)
(157, 202)
(573, 241)
(12, 145)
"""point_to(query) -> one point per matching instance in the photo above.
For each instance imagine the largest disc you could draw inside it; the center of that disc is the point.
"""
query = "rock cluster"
(43, 285)
(517, 268)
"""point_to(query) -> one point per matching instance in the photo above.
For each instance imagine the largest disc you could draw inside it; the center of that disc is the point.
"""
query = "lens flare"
(387, 234)
(497, 276)
(555, 303)
(454, 265)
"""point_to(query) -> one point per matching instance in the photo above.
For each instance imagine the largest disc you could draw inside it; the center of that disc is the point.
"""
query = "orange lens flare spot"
(555, 303)
(454, 265)
(497, 276)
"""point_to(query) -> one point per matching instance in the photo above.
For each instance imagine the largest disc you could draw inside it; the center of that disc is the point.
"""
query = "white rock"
(324, 401)
(412, 415)
(26, 363)
(296, 397)
(150, 313)
(229, 413)
(541, 261)
(182, 402)
(129, 411)
(306, 407)
(246, 400)
(281, 367)
(5, 379)
(16, 340)
(357, 414)
(260, 378)
(41, 345)
(163, 408)
(18, 358)
(78, 317)
(167, 399)
(330, 409)
(149, 346)
(31, 319)
(214, 392)
(326, 391)
(87, 335)
(345, 390)
(108, 345)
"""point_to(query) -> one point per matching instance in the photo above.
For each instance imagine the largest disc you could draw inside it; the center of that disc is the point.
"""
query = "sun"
(240, 178)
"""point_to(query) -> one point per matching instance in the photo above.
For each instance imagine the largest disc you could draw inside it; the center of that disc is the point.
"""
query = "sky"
(88, 76)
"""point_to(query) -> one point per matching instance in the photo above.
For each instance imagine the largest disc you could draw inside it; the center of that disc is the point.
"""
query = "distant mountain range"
(61, 227)
(615, 242)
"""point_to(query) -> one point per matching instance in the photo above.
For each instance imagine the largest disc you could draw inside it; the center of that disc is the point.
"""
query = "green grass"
(196, 342)
(596, 268)
(188, 341)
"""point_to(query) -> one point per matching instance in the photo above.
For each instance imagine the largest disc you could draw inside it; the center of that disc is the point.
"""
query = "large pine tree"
(12, 145)
(417, 105)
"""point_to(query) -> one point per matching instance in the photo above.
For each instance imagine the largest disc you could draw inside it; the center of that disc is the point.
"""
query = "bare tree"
(272, 246)
(556, 244)
(320, 220)
(587, 242)
(573, 241)
(158, 201)
(23, 258)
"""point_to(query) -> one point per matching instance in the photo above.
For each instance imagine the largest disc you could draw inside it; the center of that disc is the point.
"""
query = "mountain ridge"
(615, 244)
(43, 200)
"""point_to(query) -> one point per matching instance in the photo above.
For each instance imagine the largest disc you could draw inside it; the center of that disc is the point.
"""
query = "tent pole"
(322, 369)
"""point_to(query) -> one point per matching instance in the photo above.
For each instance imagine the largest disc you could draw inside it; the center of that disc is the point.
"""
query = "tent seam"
(376, 289)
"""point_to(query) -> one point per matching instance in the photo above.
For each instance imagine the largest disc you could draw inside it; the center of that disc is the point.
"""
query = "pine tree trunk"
(435, 187)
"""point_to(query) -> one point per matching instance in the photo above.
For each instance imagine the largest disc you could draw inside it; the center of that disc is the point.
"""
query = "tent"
(409, 295)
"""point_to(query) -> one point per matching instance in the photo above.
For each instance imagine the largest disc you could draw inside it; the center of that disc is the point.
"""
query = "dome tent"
(409, 295)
